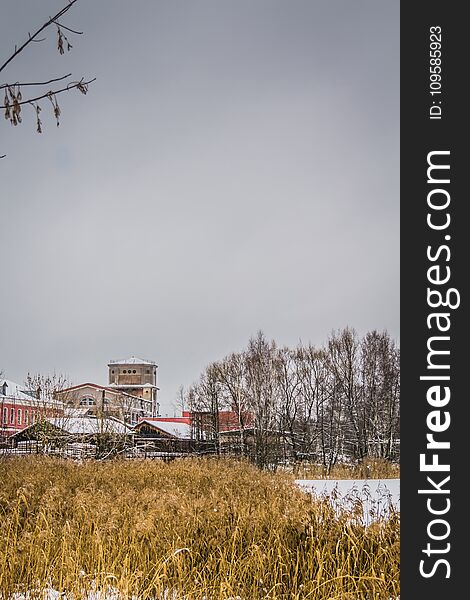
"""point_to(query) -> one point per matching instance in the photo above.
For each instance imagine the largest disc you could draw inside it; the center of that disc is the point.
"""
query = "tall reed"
(365, 469)
(193, 528)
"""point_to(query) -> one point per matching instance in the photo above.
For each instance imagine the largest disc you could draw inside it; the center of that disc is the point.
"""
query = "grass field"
(194, 529)
(366, 469)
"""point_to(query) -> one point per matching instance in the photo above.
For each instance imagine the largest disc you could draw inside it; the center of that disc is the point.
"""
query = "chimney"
(4, 388)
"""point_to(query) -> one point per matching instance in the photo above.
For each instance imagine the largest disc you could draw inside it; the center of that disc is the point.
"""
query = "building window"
(112, 371)
(26, 417)
(12, 415)
(134, 371)
(87, 402)
(5, 416)
(18, 416)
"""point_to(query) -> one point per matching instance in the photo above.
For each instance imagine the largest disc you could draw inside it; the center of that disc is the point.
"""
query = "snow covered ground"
(378, 496)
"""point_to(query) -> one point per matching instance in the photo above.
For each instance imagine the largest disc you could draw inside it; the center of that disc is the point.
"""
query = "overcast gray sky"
(234, 167)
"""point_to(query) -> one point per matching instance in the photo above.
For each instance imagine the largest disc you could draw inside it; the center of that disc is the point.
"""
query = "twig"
(71, 86)
(7, 85)
(68, 28)
(31, 38)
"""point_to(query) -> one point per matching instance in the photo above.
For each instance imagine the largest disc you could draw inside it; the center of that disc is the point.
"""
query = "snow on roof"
(132, 385)
(108, 388)
(133, 360)
(76, 412)
(91, 425)
(15, 390)
(180, 430)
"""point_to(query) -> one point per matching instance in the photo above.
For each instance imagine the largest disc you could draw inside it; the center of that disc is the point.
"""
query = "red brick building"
(19, 408)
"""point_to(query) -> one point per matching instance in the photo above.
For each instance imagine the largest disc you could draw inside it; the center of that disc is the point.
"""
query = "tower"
(137, 377)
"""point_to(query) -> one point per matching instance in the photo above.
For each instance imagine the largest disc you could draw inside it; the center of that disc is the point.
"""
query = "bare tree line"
(334, 403)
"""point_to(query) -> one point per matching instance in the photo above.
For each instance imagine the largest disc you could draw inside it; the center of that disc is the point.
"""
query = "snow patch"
(379, 497)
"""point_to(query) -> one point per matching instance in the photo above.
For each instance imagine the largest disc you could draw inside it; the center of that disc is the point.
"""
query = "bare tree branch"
(31, 38)
(68, 28)
(13, 98)
(80, 85)
(21, 84)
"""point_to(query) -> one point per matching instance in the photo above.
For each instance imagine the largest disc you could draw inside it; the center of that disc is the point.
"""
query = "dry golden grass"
(203, 529)
(365, 469)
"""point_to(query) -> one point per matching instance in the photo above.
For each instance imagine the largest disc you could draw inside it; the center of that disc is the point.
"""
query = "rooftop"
(91, 425)
(108, 388)
(133, 360)
(128, 386)
(14, 390)
(179, 430)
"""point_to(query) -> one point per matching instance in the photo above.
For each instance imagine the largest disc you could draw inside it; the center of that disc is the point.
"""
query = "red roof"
(183, 419)
(228, 419)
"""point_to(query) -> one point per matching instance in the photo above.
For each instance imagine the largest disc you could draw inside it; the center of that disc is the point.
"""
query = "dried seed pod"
(60, 42)
(82, 87)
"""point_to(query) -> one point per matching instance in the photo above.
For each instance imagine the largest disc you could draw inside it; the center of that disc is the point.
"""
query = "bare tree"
(315, 400)
(344, 355)
(15, 96)
(204, 399)
(367, 376)
(44, 390)
(232, 375)
(323, 404)
(288, 374)
(380, 392)
(262, 398)
(180, 403)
